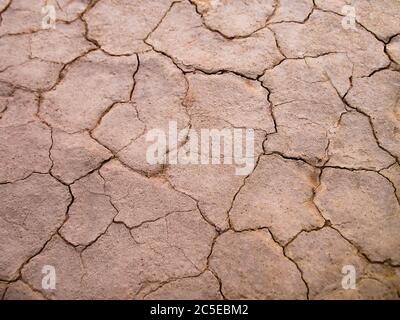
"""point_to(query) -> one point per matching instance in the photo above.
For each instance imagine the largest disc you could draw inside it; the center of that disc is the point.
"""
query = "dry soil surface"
(77, 193)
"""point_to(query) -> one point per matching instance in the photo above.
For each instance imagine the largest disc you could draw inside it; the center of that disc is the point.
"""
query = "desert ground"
(85, 215)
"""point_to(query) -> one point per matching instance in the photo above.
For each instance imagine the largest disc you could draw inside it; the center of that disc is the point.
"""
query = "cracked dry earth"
(77, 193)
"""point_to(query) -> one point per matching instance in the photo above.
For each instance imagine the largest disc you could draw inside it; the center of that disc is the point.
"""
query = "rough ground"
(77, 193)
